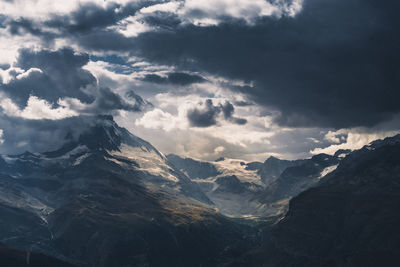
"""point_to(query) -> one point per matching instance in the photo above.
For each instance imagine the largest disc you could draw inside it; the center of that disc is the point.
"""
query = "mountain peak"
(100, 133)
(272, 159)
(103, 135)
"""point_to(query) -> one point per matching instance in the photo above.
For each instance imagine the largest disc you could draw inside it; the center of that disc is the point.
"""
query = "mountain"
(349, 219)
(193, 168)
(255, 189)
(229, 184)
(272, 168)
(109, 198)
(296, 179)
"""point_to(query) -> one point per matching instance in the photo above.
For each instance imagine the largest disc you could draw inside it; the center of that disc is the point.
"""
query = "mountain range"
(109, 198)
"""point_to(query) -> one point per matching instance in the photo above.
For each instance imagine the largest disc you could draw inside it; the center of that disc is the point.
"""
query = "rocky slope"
(296, 179)
(272, 168)
(350, 219)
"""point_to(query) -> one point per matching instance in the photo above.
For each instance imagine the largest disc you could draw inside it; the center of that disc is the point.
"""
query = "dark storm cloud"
(227, 110)
(23, 25)
(88, 17)
(204, 117)
(86, 25)
(107, 101)
(59, 74)
(335, 64)
(207, 115)
(177, 78)
(243, 103)
(165, 20)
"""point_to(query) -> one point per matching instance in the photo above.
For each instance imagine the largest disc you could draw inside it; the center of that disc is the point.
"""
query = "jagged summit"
(101, 133)
(272, 158)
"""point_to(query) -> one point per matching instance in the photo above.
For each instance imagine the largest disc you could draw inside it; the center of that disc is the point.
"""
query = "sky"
(244, 79)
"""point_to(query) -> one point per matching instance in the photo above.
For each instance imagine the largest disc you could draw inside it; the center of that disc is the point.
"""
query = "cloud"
(55, 84)
(36, 109)
(207, 115)
(71, 17)
(168, 128)
(322, 65)
(159, 119)
(45, 17)
(219, 150)
(108, 101)
(176, 78)
(40, 135)
(247, 143)
(315, 69)
(50, 75)
(356, 138)
(228, 109)
(212, 12)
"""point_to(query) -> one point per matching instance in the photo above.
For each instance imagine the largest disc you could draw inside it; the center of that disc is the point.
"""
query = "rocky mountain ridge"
(109, 198)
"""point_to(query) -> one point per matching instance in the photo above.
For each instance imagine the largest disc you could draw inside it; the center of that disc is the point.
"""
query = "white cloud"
(131, 26)
(158, 119)
(210, 9)
(1, 136)
(356, 139)
(213, 10)
(172, 7)
(16, 73)
(238, 134)
(209, 12)
(169, 122)
(28, 72)
(36, 109)
(42, 9)
(10, 44)
(336, 136)
(219, 149)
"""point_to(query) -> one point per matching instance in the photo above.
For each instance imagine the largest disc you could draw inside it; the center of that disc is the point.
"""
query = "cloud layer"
(332, 65)
(232, 78)
(57, 82)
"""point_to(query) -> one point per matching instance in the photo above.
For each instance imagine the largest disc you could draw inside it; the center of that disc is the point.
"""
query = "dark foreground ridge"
(351, 219)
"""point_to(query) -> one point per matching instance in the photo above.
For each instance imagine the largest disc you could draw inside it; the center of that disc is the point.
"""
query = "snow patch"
(236, 167)
(80, 159)
(148, 160)
(328, 170)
